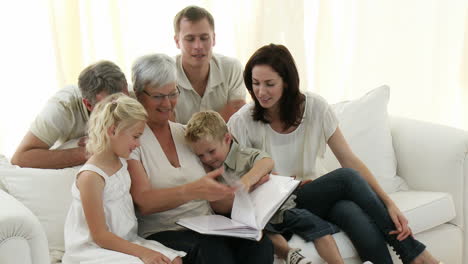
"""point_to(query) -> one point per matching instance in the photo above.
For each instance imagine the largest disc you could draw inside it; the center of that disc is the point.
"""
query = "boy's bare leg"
(425, 258)
(328, 250)
(280, 245)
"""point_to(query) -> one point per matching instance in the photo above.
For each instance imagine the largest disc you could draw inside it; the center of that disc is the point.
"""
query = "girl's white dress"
(120, 220)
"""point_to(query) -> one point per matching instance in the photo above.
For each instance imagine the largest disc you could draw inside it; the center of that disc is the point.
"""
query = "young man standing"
(206, 81)
(65, 117)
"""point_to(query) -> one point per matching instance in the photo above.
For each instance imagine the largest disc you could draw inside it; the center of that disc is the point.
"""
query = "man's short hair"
(192, 14)
(208, 125)
(102, 76)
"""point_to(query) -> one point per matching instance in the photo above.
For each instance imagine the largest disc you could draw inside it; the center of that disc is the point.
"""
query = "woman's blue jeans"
(344, 198)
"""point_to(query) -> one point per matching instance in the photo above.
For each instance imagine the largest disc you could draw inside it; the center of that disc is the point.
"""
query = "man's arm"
(236, 88)
(230, 108)
(34, 153)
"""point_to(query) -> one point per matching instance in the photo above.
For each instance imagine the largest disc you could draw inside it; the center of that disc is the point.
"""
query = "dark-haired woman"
(294, 128)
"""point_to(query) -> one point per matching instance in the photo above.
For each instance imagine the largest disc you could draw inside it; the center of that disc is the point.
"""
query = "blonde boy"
(208, 136)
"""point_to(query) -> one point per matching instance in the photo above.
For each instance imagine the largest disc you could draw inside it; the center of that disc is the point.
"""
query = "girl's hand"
(401, 223)
(153, 257)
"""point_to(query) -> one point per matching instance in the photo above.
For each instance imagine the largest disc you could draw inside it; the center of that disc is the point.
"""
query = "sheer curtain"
(343, 48)
(419, 48)
(28, 68)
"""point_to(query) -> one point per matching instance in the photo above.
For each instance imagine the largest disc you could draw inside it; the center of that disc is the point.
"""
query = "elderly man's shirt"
(63, 118)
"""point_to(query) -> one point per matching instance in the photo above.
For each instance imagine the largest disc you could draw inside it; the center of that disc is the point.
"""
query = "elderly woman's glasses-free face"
(160, 97)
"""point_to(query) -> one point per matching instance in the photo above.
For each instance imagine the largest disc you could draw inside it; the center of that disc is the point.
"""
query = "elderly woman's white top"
(162, 175)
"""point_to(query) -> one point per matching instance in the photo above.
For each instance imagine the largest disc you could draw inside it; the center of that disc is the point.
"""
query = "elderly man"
(65, 117)
(207, 81)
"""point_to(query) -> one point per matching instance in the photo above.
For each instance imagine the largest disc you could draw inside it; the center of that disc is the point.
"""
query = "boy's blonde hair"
(117, 110)
(208, 125)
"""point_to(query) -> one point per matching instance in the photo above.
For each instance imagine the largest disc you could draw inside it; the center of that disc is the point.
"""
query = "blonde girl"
(101, 226)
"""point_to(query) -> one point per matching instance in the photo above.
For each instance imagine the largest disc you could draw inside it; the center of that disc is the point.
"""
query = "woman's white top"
(120, 220)
(162, 175)
(319, 122)
(287, 148)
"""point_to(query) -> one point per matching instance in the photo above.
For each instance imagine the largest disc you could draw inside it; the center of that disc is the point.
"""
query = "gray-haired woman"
(168, 180)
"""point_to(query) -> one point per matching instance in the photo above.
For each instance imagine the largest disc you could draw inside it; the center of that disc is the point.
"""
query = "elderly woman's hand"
(207, 188)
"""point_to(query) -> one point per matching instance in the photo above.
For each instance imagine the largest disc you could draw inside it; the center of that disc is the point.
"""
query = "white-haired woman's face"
(159, 102)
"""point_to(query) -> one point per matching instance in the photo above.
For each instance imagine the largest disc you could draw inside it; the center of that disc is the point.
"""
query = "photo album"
(250, 211)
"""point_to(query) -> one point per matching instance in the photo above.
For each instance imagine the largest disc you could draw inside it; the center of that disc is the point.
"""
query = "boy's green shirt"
(239, 161)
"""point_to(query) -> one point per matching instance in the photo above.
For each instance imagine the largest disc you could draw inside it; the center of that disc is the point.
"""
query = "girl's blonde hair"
(117, 110)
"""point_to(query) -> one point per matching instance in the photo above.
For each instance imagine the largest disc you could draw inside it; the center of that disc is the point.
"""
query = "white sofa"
(431, 162)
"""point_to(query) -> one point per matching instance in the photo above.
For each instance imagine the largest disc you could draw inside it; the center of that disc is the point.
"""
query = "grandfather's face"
(195, 41)
(159, 102)
(100, 96)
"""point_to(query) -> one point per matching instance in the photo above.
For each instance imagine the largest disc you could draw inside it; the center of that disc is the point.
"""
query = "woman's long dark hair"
(281, 61)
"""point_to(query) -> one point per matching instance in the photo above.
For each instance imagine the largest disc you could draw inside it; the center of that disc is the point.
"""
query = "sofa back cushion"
(47, 193)
(4, 164)
(365, 124)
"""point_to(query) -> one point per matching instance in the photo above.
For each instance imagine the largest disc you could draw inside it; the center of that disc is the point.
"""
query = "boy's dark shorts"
(303, 223)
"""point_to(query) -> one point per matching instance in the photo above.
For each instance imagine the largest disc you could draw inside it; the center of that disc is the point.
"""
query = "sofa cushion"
(365, 124)
(425, 210)
(4, 164)
(47, 193)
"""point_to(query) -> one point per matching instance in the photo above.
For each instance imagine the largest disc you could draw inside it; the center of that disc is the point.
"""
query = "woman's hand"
(400, 221)
(207, 188)
(153, 257)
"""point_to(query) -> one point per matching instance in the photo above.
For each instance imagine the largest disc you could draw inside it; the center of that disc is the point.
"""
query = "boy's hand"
(262, 180)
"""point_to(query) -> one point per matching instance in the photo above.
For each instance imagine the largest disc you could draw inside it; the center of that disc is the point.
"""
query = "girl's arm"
(348, 159)
(150, 200)
(91, 186)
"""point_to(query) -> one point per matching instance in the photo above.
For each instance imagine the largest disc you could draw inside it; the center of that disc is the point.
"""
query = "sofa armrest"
(19, 226)
(433, 157)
